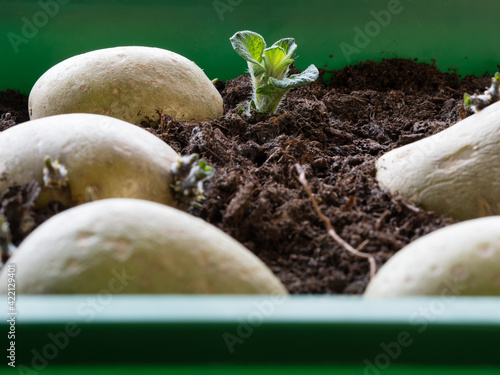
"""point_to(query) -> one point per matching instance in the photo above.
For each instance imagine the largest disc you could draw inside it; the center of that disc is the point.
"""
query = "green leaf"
(467, 100)
(257, 70)
(275, 56)
(266, 90)
(205, 167)
(285, 64)
(203, 170)
(288, 45)
(297, 80)
(249, 45)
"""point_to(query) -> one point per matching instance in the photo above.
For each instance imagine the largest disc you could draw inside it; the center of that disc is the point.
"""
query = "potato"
(135, 84)
(135, 246)
(111, 157)
(461, 259)
(455, 172)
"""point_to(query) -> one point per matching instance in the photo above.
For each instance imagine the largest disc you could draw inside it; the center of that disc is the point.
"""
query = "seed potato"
(134, 84)
(461, 259)
(135, 246)
(455, 172)
(111, 157)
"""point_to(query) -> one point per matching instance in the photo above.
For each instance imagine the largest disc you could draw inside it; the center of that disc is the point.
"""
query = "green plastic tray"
(237, 334)
(248, 335)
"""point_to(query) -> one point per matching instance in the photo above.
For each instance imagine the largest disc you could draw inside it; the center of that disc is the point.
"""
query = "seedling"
(478, 102)
(268, 68)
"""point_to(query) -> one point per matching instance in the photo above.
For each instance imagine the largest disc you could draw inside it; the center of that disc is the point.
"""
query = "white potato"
(455, 172)
(135, 246)
(135, 84)
(111, 157)
(461, 259)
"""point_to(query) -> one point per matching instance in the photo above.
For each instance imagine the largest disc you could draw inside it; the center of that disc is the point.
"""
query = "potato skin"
(455, 172)
(113, 157)
(134, 84)
(135, 246)
(461, 259)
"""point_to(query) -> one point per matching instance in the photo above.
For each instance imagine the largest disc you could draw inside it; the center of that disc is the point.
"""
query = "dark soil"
(13, 108)
(336, 131)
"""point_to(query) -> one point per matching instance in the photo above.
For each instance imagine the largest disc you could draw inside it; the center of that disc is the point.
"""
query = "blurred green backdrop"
(36, 34)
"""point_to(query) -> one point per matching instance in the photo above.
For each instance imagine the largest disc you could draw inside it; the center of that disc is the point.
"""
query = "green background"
(457, 34)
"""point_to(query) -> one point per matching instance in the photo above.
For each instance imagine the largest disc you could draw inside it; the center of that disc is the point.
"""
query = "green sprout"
(268, 68)
(478, 102)
(55, 175)
(189, 173)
